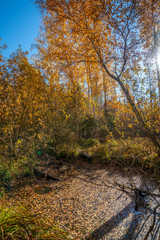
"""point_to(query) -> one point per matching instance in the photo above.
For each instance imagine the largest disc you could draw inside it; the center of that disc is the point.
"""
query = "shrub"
(103, 133)
(4, 174)
(101, 153)
(50, 148)
(90, 142)
(87, 126)
(16, 169)
(110, 120)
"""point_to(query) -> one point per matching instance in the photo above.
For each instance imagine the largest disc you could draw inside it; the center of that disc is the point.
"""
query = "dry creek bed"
(84, 205)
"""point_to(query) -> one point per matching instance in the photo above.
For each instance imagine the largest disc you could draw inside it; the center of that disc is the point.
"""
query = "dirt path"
(90, 211)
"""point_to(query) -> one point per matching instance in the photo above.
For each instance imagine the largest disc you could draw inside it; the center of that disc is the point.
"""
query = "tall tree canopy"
(107, 33)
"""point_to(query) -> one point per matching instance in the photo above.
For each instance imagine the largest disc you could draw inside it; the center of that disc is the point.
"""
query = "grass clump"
(90, 142)
(101, 153)
(17, 223)
(67, 153)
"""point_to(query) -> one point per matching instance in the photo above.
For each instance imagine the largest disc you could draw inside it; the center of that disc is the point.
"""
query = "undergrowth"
(137, 152)
(127, 152)
(17, 222)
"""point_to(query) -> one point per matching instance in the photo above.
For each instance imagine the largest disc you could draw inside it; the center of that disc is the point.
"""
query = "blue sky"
(19, 24)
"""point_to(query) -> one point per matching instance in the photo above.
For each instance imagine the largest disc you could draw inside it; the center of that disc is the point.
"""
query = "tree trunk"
(138, 115)
(132, 104)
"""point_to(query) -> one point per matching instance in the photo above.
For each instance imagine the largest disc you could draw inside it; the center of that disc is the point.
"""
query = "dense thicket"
(91, 78)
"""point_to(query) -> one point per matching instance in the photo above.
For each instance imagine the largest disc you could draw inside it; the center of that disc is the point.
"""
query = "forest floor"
(85, 201)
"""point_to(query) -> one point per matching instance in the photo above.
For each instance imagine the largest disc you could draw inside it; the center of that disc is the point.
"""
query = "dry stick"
(156, 232)
(142, 225)
(153, 195)
(122, 186)
(148, 191)
(45, 175)
(123, 189)
(112, 185)
(154, 220)
(88, 181)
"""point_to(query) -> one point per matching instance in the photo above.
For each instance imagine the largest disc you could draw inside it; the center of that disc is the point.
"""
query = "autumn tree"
(103, 32)
(22, 100)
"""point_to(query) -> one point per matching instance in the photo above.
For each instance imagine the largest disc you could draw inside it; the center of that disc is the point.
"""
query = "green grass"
(17, 222)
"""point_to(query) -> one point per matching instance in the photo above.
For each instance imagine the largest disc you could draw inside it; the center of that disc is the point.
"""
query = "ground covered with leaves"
(87, 203)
